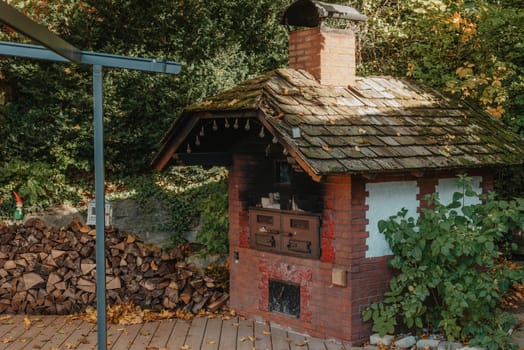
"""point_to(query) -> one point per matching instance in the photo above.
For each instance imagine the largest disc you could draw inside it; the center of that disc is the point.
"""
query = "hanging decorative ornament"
(247, 127)
(268, 150)
(275, 140)
(235, 126)
(197, 141)
(188, 149)
(226, 124)
(284, 152)
(215, 125)
(261, 134)
(202, 131)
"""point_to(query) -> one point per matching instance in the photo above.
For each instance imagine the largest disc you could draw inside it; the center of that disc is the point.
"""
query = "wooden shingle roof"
(380, 124)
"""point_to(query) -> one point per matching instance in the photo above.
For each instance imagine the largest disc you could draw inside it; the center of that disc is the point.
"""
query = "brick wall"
(328, 54)
(326, 310)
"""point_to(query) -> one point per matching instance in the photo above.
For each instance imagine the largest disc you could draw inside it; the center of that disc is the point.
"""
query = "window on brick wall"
(446, 188)
(384, 200)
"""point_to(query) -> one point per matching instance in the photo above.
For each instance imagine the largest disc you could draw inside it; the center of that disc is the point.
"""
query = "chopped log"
(87, 267)
(61, 285)
(52, 270)
(9, 265)
(148, 285)
(199, 305)
(197, 283)
(52, 280)
(113, 283)
(86, 285)
(55, 253)
(214, 306)
(186, 294)
(120, 246)
(31, 280)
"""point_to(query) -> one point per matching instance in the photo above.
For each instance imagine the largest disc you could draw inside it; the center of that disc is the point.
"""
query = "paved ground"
(68, 333)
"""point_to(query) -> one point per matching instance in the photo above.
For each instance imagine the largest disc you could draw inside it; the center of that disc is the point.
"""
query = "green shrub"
(214, 219)
(39, 184)
(451, 278)
(192, 194)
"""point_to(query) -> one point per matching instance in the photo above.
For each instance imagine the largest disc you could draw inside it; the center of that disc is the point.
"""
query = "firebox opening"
(284, 298)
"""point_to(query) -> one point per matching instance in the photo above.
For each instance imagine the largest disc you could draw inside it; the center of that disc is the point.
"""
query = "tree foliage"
(471, 48)
(49, 112)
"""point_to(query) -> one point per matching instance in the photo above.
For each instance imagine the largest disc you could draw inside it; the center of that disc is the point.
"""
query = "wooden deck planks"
(316, 344)
(279, 338)
(47, 332)
(215, 333)
(298, 341)
(79, 336)
(178, 335)
(55, 336)
(113, 333)
(331, 345)
(262, 336)
(20, 336)
(144, 336)
(127, 337)
(211, 339)
(196, 333)
(245, 334)
(228, 338)
(89, 339)
(162, 333)
(8, 323)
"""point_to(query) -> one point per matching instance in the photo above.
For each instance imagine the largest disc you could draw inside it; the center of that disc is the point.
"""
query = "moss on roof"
(380, 124)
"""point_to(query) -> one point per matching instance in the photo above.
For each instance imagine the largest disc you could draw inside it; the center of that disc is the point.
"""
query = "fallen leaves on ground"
(128, 313)
(27, 322)
(302, 343)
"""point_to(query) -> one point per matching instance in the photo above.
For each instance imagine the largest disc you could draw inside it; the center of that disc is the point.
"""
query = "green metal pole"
(100, 208)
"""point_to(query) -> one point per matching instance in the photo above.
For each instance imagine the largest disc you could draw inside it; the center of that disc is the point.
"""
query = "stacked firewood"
(49, 270)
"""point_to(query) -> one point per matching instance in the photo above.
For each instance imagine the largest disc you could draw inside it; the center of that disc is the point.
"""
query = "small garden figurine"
(19, 213)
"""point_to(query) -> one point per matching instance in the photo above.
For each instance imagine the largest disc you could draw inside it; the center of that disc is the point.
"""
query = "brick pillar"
(368, 277)
(426, 185)
(242, 274)
(241, 178)
(328, 54)
(336, 219)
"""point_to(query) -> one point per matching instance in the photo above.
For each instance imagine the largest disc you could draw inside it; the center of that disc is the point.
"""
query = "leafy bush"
(192, 194)
(38, 183)
(450, 276)
(214, 219)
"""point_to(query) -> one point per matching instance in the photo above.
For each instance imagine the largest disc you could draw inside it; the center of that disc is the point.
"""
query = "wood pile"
(48, 270)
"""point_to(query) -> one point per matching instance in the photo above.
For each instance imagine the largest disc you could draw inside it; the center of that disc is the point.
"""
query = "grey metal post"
(100, 208)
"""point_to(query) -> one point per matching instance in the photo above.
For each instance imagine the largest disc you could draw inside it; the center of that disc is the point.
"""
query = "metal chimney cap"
(310, 13)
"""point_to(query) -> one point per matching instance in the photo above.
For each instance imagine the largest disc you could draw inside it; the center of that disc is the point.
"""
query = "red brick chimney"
(328, 54)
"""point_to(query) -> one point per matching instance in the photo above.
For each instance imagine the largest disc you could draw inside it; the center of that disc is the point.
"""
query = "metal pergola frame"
(58, 50)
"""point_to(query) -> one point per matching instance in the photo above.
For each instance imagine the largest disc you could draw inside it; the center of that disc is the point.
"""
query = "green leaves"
(449, 276)
(472, 49)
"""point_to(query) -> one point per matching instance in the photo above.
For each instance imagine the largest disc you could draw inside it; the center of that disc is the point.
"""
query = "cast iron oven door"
(285, 232)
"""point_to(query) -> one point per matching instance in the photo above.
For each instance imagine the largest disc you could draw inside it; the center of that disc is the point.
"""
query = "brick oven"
(316, 156)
